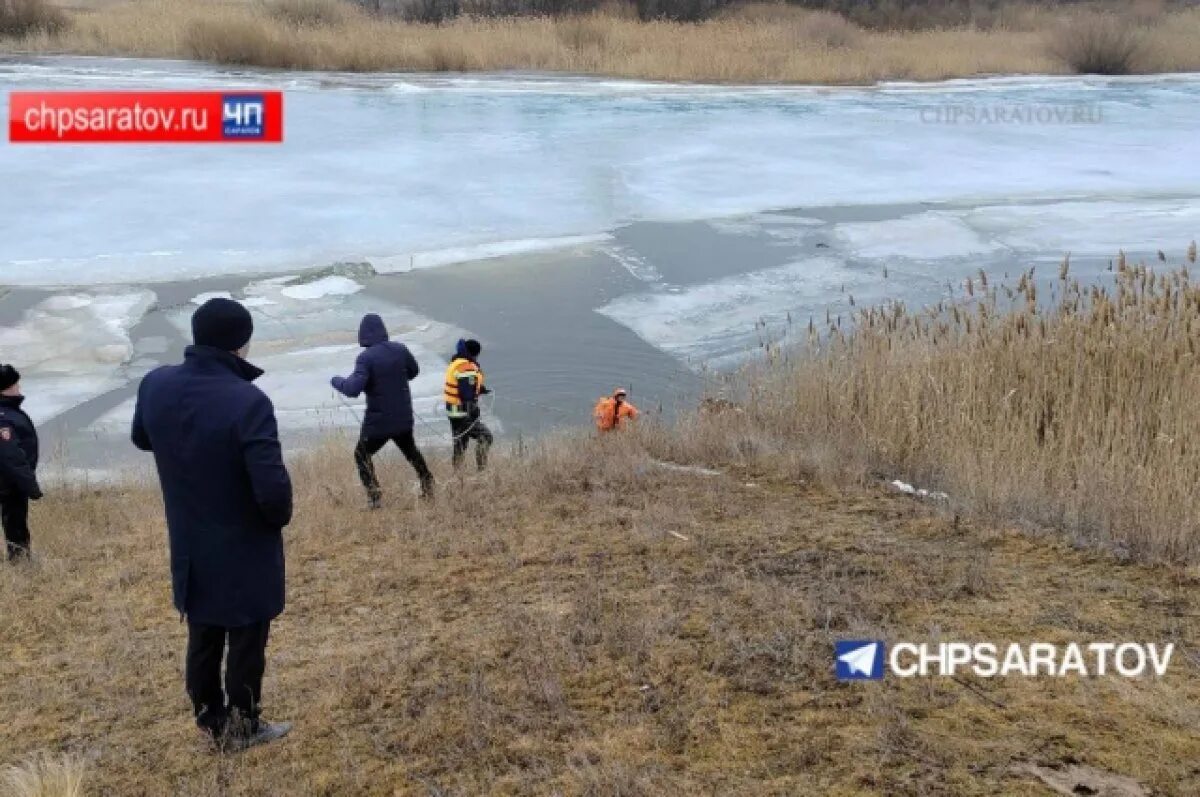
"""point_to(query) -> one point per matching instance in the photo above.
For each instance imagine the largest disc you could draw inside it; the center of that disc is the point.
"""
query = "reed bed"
(1068, 405)
(754, 43)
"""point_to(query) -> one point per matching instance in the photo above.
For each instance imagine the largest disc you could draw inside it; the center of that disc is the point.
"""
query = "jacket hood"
(12, 401)
(371, 330)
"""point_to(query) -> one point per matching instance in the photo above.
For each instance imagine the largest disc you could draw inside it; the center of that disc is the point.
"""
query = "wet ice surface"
(591, 232)
(399, 167)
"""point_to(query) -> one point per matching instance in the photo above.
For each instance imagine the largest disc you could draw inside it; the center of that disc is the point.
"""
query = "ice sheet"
(307, 331)
(395, 264)
(388, 166)
(317, 289)
(927, 236)
(1097, 228)
(73, 347)
(720, 320)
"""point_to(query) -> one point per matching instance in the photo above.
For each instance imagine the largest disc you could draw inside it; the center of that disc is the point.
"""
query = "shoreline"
(755, 44)
(1001, 80)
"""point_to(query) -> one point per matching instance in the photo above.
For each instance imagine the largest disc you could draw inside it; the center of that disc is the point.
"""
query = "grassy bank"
(585, 619)
(772, 43)
(1068, 406)
(598, 625)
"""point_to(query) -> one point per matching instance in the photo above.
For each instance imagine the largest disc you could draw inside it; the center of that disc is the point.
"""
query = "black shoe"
(374, 502)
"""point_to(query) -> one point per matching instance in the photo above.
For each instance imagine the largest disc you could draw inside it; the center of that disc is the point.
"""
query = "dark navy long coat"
(226, 490)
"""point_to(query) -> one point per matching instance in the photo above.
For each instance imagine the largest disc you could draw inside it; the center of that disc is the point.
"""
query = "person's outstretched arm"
(269, 480)
(355, 383)
(410, 364)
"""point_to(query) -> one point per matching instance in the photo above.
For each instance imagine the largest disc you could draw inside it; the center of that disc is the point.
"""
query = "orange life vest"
(460, 368)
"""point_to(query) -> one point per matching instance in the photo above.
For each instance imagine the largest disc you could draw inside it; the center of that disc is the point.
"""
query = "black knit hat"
(223, 324)
(473, 347)
(9, 376)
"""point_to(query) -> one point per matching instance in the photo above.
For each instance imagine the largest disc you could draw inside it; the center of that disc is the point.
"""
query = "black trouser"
(244, 668)
(14, 514)
(464, 431)
(369, 446)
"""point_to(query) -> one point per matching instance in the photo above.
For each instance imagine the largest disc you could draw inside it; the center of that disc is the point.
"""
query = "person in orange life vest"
(611, 412)
(463, 386)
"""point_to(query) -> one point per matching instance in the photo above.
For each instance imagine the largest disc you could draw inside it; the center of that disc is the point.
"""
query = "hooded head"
(468, 348)
(371, 330)
(223, 324)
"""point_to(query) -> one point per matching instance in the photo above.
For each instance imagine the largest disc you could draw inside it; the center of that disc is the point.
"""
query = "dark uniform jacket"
(18, 451)
(226, 490)
(383, 370)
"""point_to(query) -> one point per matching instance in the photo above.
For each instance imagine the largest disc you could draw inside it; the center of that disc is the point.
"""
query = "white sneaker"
(267, 732)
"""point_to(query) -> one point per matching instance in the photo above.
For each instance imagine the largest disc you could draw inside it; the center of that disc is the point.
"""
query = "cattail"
(1162, 256)
(1121, 265)
(1191, 255)
(1064, 267)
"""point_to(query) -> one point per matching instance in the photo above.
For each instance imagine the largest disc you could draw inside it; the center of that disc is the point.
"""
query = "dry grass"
(603, 625)
(1050, 401)
(1101, 44)
(44, 776)
(20, 18)
(568, 641)
(753, 43)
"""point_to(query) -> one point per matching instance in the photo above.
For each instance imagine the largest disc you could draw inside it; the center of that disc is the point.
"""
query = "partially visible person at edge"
(383, 369)
(613, 411)
(228, 497)
(18, 465)
(463, 386)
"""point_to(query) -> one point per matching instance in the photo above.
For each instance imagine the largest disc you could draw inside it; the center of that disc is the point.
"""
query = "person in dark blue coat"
(18, 465)
(383, 369)
(228, 497)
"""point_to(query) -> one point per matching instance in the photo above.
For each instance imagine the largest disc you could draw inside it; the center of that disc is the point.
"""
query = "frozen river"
(589, 231)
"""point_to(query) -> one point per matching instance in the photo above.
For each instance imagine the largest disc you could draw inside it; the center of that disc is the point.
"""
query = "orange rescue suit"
(610, 413)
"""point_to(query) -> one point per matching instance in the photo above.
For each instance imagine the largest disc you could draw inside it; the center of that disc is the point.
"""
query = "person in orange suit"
(612, 412)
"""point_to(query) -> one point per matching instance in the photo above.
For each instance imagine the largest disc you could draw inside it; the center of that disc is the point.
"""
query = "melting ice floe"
(717, 319)
(395, 264)
(306, 332)
(73, 347)
(926, 236)
(1095, 227)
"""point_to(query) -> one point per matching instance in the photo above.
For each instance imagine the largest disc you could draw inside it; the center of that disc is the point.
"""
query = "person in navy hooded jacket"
(383, 370)
(228, 497)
